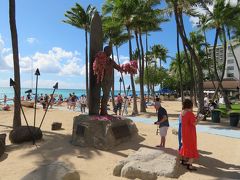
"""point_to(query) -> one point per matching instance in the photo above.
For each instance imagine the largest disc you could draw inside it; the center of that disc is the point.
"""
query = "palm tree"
(185, 6)
(177, 63)
(160, 52)
(17, 99)
(223, 16)
(80, 18)
(114, 36)
(179, 66)
(123, 9)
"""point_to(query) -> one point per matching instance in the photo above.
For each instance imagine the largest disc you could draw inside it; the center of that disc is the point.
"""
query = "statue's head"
(108, 50)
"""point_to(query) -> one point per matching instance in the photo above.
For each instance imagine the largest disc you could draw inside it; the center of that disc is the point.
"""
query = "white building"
(231, 70)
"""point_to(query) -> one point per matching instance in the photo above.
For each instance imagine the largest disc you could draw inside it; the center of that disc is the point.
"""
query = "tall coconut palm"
(179, 65)
(180, 7)
(160, 52)
(223, 16)
(202, 22)
(114, 36)
(123, 9)
(14, 37)
(80, 18)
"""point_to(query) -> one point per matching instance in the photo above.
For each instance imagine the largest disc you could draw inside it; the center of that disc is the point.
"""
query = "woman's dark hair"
(187, 104)
(157, 99)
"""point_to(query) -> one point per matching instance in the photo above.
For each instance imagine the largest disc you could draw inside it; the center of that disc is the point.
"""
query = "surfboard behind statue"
(96, 45)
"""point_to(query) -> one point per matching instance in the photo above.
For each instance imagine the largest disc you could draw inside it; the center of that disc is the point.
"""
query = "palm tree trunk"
(113, 88)
(179, 66)
(178, 18)
(192, 87)
(86, 53)
(227, 103)
(148, 88)
(143, 106)
(135, 109)
(17, 98)
(124, 87)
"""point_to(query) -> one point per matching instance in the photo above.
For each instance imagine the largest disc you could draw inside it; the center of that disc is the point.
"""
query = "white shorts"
(163, 131)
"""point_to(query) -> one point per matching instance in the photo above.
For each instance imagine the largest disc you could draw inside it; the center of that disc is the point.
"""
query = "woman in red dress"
(189, 137)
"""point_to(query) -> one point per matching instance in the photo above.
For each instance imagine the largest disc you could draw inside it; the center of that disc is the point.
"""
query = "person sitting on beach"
(6, 107)
(163, 125)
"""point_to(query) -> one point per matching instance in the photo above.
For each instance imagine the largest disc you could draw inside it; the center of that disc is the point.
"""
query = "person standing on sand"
(189, 137)
(163, 125)
(119, 103)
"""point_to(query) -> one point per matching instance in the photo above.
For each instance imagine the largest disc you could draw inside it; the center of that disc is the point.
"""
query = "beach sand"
(220, 156)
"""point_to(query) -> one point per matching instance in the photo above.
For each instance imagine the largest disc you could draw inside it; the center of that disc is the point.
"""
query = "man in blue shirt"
(163, 125)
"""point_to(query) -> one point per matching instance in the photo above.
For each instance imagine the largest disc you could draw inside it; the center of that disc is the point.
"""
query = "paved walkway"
(206, 128)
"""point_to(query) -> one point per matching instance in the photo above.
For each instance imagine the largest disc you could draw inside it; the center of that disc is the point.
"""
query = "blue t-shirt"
(161, 113)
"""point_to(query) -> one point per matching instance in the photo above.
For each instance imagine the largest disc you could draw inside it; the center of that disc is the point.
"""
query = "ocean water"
(64, 92)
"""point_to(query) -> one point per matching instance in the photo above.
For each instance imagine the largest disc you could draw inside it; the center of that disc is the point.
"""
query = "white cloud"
(56, 60)
(31, 40)
(200, 10)
(51, 83)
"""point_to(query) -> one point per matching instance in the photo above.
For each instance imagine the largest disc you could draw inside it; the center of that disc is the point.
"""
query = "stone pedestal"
(101, 132)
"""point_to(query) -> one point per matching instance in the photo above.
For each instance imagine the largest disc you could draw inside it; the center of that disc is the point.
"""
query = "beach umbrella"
(28, 91)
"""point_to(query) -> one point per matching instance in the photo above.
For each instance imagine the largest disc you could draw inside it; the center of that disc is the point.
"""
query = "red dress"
(189, 136)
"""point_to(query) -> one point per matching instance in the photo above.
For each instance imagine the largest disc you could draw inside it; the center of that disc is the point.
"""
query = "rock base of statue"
(2, 143)
(25, 134)
(102, 132)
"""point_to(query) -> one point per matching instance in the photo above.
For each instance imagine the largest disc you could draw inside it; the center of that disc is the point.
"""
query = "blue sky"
(57, 49)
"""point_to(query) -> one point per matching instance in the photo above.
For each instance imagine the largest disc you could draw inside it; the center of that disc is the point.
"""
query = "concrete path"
(216, 129)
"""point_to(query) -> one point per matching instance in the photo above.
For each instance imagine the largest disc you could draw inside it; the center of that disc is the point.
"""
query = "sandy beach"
(219, 159)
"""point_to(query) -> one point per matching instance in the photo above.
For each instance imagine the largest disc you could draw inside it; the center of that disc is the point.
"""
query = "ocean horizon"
(9, 92)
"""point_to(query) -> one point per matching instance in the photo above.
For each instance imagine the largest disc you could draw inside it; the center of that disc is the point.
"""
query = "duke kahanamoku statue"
(103, 67)
(108, 79)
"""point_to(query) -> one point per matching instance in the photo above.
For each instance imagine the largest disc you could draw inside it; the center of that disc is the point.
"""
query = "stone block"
(56, 126)
(148, 164)
(101, 133)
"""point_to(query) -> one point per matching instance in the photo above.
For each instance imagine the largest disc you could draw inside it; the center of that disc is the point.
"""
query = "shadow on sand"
(55, 145)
